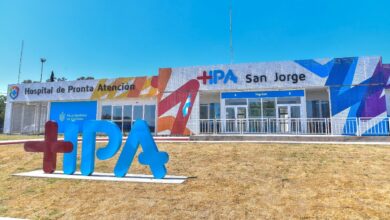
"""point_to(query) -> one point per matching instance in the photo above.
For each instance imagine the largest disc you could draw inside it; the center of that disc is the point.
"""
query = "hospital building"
(331, 96)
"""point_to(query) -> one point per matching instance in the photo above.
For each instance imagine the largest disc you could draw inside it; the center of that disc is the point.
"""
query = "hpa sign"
(140, 136)
(216, 76)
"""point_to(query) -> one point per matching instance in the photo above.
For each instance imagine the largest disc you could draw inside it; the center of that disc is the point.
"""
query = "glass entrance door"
(241, 119)
(288, 117)
(236, 119)
(283, 119)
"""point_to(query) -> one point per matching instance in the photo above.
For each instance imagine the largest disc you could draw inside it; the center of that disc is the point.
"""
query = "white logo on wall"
(62, 116)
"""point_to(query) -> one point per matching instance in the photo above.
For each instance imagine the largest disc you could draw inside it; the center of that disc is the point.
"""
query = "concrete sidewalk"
(250, 139)
(296, 142)
(157, 139)
(290, 138)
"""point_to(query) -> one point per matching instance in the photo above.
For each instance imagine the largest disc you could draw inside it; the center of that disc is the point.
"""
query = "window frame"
(132, 120)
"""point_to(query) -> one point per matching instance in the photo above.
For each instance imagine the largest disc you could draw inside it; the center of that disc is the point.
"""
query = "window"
(125, 115)
(289, 100)
(117, 113)
(255, 108)
(204, 111)
(210, 111)
(138, 112)
(269, 109)
(230, 113)
(217, 109)
(235, 102)
(150, 116)
(127, 110)
(117, 116)
(127, 126)
(106, 112)
(318, 109)
(325, 109)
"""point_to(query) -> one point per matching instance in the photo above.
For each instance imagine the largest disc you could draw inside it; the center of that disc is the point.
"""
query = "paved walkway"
(157, 139)
(187, 139)
(299, 142)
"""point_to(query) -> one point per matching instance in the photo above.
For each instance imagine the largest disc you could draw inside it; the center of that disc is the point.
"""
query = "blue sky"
(108, 39)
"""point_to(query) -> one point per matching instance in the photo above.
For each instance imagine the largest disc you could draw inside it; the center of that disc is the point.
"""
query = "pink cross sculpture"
(50, 147)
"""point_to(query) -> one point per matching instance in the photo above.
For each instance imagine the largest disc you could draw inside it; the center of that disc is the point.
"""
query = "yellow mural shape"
(125, 88)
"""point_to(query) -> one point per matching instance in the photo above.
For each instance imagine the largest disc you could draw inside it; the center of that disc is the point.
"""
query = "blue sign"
(140, 135)
(76, 112)
(264, 94)
(217, 75)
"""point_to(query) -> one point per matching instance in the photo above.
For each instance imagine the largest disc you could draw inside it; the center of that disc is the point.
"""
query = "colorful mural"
(356, 86)
(365, 99)
(118, 88)
(173, 120)
(131, 87)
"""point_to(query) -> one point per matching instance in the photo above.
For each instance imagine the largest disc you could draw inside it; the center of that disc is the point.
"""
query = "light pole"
(42, 61)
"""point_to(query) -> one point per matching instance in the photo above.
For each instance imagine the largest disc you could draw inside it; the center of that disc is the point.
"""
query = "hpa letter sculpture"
(50, 147)
(139, 135)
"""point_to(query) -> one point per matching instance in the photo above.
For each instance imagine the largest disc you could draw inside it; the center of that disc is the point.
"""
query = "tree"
(27, 81)
(86, 78)
(52, 77)
(3, 99)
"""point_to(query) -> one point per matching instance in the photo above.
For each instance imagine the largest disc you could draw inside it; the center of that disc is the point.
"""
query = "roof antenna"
(231, 31)
(20, 61)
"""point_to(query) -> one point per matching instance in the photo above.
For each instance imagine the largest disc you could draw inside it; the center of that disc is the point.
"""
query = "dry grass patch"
(230, 181)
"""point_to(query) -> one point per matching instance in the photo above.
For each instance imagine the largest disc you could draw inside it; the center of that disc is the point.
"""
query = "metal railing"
(297, 126)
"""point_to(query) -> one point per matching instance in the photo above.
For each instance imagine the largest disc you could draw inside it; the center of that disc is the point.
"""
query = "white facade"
(185, 99)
